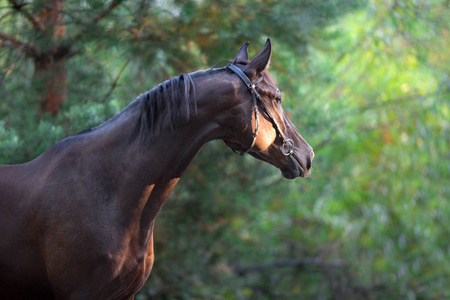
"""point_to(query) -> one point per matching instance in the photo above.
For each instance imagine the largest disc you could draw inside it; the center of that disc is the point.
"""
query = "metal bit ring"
(291, 151)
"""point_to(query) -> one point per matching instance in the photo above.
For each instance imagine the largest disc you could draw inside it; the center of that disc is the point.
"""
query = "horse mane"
(173, 100)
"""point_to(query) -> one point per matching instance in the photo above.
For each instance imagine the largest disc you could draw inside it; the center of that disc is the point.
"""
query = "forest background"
(366, 82)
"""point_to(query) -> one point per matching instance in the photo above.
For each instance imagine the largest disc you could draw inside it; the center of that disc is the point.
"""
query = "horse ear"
(261, 61)
(242, 54)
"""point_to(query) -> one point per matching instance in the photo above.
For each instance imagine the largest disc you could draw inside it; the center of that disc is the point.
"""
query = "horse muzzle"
(298, 167)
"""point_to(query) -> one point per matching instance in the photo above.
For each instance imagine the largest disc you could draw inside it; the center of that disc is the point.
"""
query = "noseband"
(252, 88)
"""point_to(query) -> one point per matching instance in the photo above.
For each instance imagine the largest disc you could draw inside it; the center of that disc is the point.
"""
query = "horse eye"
(278, 96)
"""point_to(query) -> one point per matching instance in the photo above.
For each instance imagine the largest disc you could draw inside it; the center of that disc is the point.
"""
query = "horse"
(77, 221)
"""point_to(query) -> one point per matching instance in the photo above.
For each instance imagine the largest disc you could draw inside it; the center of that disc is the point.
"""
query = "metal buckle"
(291, 151)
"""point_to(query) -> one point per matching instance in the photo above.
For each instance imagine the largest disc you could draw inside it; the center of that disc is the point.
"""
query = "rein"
(255, 96)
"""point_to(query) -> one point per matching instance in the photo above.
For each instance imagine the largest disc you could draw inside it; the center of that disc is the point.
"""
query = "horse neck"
(146, 173)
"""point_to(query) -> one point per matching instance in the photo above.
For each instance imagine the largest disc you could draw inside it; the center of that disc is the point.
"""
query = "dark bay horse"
(77, 221)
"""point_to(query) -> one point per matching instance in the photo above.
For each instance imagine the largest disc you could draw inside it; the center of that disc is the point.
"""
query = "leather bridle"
(252, 88)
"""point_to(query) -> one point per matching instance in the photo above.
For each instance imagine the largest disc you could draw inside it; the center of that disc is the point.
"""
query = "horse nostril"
(309, 160)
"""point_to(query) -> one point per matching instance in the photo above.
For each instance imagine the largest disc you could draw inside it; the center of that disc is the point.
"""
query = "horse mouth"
(294, 168)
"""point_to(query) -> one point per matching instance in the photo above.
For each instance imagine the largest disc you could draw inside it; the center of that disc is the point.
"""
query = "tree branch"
(114, 84)
(98, 18)
(9, 41)
(283, 263)
(19, 7)
(104, 13)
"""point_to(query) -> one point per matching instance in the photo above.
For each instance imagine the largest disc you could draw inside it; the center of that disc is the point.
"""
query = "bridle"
(252, 88)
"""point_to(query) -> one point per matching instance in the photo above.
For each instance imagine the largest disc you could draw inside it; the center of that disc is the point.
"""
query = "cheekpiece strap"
(252, 87)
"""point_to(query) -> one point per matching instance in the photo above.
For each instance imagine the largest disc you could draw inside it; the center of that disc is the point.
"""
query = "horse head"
(259, 126)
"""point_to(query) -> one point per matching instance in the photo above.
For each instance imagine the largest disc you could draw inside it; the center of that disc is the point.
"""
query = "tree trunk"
(53, 79)
(50, 49)
(50, 66)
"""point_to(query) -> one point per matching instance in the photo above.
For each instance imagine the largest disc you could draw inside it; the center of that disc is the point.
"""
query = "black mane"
(173, 100)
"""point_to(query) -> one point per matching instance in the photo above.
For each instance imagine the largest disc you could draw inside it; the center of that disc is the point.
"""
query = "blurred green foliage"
(366, 82)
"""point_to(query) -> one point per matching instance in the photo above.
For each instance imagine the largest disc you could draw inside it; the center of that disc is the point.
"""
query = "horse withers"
(77, 221)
